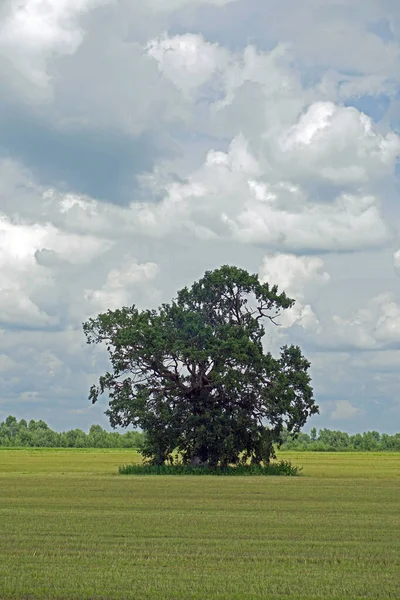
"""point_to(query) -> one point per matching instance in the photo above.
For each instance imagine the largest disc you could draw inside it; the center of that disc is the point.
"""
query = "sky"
(143, 143)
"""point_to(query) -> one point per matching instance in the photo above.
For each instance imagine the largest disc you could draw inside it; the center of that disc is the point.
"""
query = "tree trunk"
(197, 461)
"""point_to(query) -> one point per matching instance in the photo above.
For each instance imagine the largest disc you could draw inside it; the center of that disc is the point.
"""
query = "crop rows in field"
(73, 528)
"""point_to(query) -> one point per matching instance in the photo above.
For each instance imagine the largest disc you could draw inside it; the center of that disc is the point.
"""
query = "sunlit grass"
(71, 528)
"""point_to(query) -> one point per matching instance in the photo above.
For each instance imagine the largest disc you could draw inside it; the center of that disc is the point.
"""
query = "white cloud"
(34, 32)
(357, 86)
(297, 276)
(42, 270)
(375, 325)
(344, 410)
(16, 262)
(292, 273)
(252, 158)
(396, 259)
(261, 91)
(6, 363)
(350, 222)
(187, 60)
(340, 145)
(20, 241)
(230, 196)
(32, 29)
(119, 287)
(167, 5)
(30, 396)
(337, 33)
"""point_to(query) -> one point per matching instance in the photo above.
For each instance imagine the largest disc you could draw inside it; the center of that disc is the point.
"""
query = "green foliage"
(282, 467)
(194, 375)
(339, 441)
(37, 434)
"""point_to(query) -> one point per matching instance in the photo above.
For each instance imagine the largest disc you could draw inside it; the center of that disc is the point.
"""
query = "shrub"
(284, 467)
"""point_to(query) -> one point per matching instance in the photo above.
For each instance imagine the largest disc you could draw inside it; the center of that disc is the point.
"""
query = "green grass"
(72, 528)
(282, 467)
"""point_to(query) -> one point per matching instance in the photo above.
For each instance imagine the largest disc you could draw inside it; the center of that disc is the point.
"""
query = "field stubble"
(71, 528)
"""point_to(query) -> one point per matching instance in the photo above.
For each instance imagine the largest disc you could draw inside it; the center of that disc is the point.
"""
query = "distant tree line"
(37, 434)
(338, 441)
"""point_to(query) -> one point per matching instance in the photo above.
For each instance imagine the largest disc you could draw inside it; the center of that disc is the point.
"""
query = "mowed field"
(72, 528)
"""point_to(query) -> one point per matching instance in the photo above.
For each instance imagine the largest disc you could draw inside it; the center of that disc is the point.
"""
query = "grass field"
(72, 528)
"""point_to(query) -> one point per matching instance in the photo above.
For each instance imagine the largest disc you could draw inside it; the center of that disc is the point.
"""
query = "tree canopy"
(194, 374)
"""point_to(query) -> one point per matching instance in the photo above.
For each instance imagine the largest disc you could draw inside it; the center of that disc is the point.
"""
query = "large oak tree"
(195, 377)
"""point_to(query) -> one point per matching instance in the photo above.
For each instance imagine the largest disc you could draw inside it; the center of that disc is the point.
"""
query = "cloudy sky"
(143, 142)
